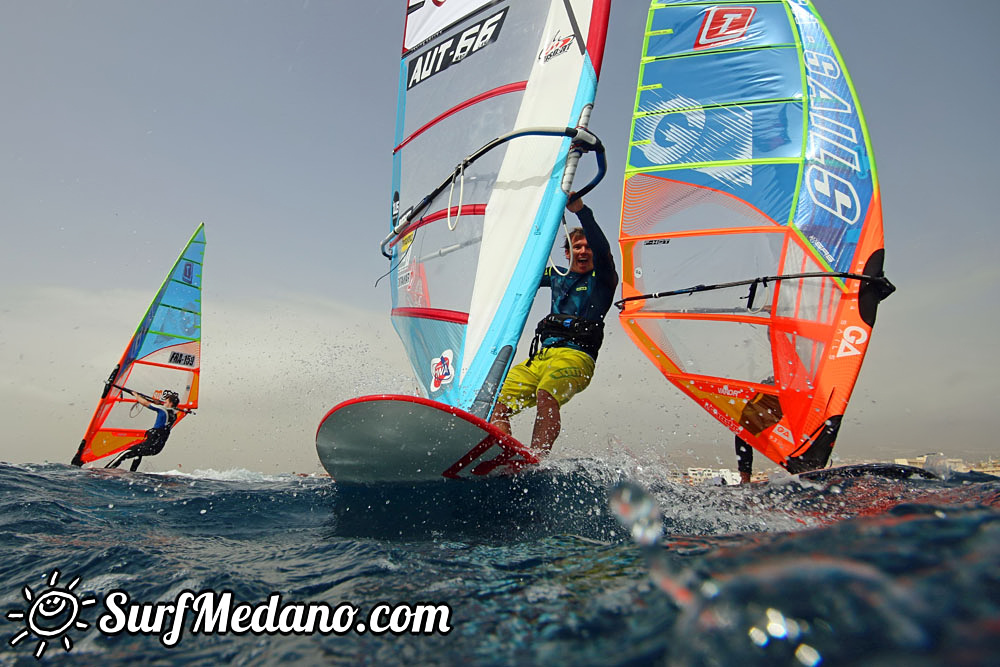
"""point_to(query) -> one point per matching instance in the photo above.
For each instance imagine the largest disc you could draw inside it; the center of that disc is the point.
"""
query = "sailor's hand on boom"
(142, 398)
(574, 204)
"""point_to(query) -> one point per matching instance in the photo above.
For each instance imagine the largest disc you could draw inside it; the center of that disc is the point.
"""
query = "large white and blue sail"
(491, 93)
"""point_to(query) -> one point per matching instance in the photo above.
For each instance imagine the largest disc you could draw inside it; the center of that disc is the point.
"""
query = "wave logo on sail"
(442, 370)
(724, 26)
(50, 614)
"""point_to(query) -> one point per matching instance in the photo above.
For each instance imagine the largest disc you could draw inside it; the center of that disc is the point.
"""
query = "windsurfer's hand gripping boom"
(583, 141)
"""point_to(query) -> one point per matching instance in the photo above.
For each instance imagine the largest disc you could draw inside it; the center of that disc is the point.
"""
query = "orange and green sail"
(164, 354)
(751, 231)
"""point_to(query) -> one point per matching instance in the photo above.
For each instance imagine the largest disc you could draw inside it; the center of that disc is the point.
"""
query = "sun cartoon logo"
(51, 614)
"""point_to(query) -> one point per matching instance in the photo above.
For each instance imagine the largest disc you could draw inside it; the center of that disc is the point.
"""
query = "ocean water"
(533, 569)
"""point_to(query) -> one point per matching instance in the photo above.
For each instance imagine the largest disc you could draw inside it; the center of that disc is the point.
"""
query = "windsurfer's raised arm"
(546, 280)
(146, 402)
(604, 261)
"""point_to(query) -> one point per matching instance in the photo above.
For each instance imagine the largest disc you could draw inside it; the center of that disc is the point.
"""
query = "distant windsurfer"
(759, 413)
(156, 437)
(564, 350)
(744, 460)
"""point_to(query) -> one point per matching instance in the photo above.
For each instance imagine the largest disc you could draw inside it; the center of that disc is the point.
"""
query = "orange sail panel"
(751, 230)
(163, 354)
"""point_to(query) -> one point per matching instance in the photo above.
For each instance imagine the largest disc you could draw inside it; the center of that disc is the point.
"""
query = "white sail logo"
(833, 194)
(681, 131)
(724, 26)
(783, 432)
(835, 142)
(853, 337)
(674, 134)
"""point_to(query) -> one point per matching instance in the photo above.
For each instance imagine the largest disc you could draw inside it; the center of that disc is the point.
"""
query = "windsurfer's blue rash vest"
(164, 416)
(583, 296)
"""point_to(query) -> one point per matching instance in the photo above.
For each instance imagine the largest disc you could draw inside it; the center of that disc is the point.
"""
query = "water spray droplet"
(638, 512)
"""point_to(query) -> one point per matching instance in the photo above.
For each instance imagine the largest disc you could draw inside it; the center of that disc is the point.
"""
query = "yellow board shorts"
(561, 371)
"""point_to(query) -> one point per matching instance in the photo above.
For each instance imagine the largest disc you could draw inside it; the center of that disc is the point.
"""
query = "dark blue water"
(535, 569)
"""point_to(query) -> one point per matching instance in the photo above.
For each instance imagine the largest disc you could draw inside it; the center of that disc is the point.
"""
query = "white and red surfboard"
(388, 437)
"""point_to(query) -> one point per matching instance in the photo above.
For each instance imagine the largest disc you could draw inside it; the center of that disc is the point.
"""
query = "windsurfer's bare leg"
(548, 423)
(501, 418)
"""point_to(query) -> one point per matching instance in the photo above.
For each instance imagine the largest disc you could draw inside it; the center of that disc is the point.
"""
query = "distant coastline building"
(720, 476)
(990, 467)
(936, 462)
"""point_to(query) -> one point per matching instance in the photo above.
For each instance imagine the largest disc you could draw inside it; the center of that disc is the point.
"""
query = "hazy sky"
(125, 123)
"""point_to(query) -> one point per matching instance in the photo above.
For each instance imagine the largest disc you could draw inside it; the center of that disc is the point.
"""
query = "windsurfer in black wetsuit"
(156, 437)
(564, 351)
(744, 460)
(760, 412)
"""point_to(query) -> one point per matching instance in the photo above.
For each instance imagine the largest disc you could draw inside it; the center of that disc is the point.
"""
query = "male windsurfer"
(564, 350)
(156, 437)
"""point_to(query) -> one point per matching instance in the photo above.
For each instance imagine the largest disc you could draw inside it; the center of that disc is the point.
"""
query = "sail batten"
(482, 97)
(751, 221)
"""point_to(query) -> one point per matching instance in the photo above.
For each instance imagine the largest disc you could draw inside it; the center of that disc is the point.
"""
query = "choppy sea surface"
(532, 569)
